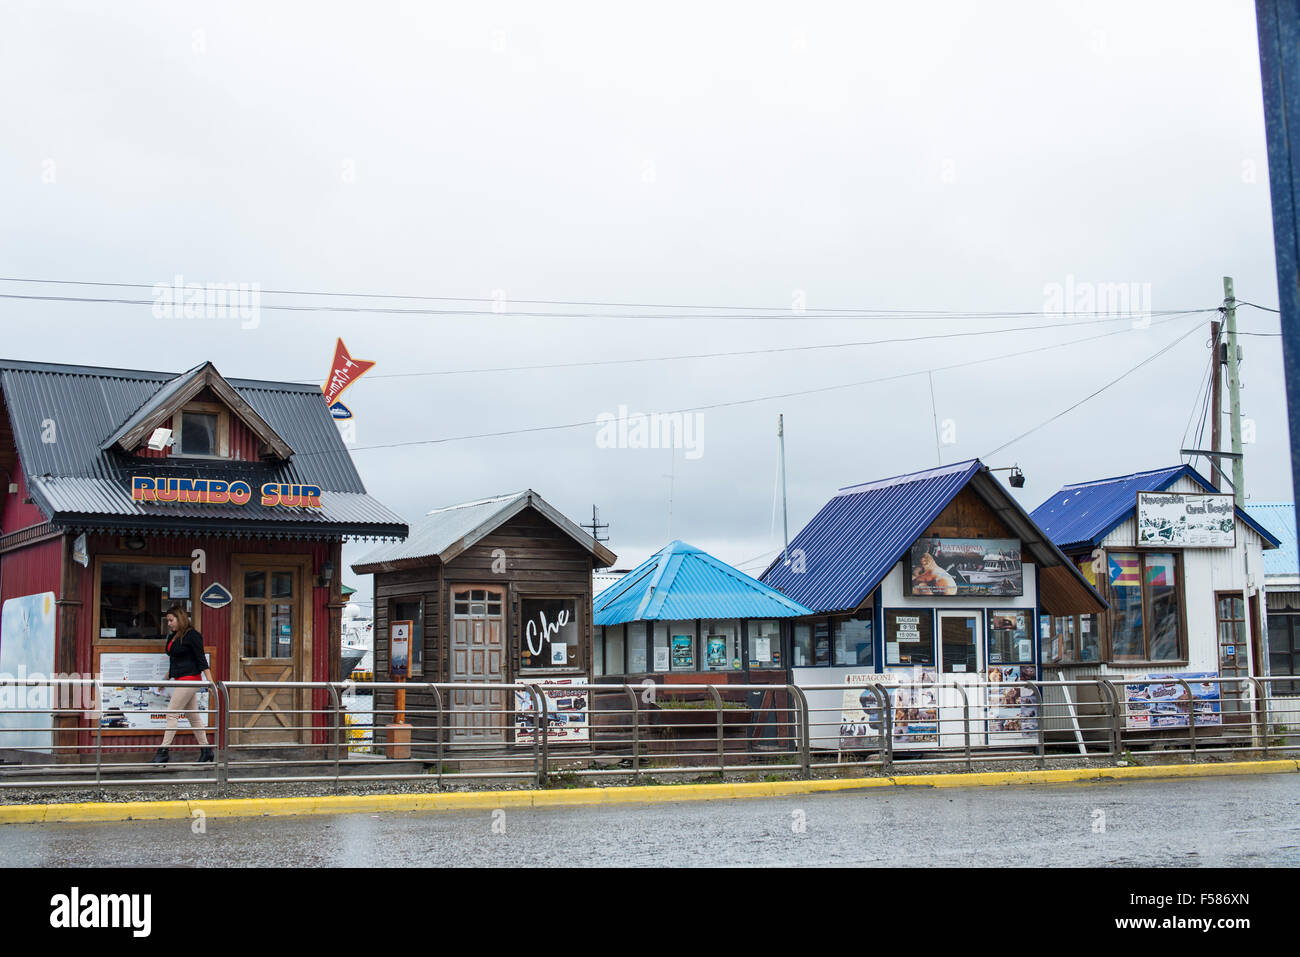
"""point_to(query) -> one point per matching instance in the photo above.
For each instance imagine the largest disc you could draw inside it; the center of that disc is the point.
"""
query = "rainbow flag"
(1124, 570)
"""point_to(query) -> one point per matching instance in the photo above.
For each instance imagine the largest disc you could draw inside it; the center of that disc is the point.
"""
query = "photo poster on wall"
(1013, 709)
(684, 652)
(716, 651)
(139, 706)
(916, 707)
(661, 658)
(27, 651)
(1159, 701)
(965, 566)
(566, 711)
(860, 714)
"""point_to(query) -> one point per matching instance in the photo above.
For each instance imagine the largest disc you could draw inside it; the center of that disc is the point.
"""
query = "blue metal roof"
(1083, 514)
(1279, 518)
(680, 583)
(862, 532)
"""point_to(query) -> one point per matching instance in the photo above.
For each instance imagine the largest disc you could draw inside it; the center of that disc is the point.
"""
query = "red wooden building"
(239, 510)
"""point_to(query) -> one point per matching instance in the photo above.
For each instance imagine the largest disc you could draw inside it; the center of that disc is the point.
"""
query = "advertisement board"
(860, 714)
(1189, 520)
(1013, 708)
(965, 566)
(1156, 701)
(138, 706)
(566, 711)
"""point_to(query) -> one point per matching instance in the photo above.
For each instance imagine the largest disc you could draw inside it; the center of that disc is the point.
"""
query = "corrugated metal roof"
(87, 404)
(1081, 515)
(681, 582)
(445, 532)
(159, 398)
(1279, 518)
(858, 536)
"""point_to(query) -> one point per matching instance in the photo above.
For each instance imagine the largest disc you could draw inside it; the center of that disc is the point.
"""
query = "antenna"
(596, 526)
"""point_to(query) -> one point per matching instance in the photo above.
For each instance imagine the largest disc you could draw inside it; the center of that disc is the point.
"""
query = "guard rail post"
(965, 721)
(336, 711)
(803, 742)
(1260, 702)
(722, 757)
(636, 733)
(223, 737)
(886, 728)
(98, 711)
(538, 731)
(1191, 716)
(438, 730)
(1042, 722)
(1116, 717)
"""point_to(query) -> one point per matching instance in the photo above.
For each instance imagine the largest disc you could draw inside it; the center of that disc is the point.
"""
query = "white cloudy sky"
(944, 156)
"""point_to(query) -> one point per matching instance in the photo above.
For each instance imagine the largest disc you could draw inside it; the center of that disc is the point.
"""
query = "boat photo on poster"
(965, 566)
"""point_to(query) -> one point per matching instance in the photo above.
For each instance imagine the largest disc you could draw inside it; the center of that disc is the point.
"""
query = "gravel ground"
(564, 779)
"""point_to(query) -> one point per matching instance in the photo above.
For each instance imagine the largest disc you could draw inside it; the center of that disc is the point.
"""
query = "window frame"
(1108, 647)
(583, 656)
(177, 561)
(221, 438)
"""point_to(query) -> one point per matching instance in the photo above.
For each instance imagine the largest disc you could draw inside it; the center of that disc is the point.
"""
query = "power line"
(1151, 358)
(1242, 302)
(587, 423)
(937, 313)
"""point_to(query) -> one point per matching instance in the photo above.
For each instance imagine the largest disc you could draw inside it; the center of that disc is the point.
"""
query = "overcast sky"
(968, 158)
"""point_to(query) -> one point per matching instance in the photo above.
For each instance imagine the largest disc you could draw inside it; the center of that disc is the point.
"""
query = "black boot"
(205, 754)
(161, 757)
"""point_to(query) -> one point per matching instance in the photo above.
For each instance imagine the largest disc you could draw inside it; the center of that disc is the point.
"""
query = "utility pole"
(1234, 393)
(1216, 392)
(785, 518)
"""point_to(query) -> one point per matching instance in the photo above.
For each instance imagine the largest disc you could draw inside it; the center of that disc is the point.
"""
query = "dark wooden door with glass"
(272, 645)
(478, 656)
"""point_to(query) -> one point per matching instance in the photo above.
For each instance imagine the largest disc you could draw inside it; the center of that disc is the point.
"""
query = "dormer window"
(203, 429)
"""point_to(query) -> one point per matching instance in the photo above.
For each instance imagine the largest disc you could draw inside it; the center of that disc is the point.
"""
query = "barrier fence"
(58, 733)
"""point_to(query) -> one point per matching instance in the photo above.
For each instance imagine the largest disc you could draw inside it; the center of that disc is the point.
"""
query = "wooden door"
(271, 643)
(478, 654)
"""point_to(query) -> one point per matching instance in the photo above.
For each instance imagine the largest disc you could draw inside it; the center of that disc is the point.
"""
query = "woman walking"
(188, 662)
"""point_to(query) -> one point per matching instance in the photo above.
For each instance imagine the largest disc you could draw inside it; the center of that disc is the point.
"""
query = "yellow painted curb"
(577, 797)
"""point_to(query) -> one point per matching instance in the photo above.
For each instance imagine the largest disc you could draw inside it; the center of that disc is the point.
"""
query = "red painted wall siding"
(14, 514)
(30, 571)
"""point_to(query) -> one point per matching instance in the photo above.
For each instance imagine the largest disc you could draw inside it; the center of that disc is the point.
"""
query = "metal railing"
(57, 733)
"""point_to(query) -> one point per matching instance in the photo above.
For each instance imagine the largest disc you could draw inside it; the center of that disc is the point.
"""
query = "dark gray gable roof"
(80, 407)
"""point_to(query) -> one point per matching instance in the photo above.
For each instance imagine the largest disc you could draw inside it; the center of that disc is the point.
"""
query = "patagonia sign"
(217, 492)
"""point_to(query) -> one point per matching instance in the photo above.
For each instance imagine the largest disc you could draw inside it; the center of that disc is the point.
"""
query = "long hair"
(182, 619)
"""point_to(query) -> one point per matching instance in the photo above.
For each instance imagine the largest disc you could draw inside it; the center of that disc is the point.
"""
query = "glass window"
(909, 636)
(1284, 651)
(821, 643)
(598, 654)
(721, 644)
(636, 663)
(764, 643)
(270, 622)
(412, 610)
(1145, 616)
(134, 598)
(1010, 637)
(853, 644)
(681, 647)
(957, 632)
(198, 433)
(802, 648)
(614, 645)
(1088, 629)
(549, 632)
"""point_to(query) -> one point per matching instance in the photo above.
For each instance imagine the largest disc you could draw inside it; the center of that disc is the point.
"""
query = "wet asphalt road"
(1235, 822)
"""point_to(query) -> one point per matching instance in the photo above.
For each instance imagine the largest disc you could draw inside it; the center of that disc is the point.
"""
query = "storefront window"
(721, 645)
(764, 643)
(958, 631)
(134, 597)
(1145, 615)
(821, 643)
(412, 610)
(909, 636)
(598, 654)
(1011, 637)
(549, 633)
(636, 659)
(665, 655)
(615, 643)
(802, 647)
(1284, 651)
(853, 642)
